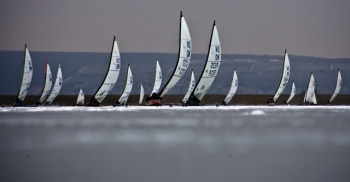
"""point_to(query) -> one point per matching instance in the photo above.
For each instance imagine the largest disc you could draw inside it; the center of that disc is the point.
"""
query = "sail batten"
(184, 57)
(111, 76)
(57, 87)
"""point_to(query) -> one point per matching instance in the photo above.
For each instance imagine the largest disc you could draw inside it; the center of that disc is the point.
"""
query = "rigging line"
(195, 65)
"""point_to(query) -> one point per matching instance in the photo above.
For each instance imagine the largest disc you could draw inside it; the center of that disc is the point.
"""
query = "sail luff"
(57, 87)
(337, 87)
(233, 88)
(190, 88)
(47, 84)
(27, 77)
(284, 77)
(111, 76)
(184, 57)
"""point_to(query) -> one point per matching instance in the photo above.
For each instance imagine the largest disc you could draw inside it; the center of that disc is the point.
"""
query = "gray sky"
(318, 28)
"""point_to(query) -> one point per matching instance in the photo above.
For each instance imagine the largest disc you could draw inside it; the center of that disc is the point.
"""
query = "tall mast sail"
(157, 79)
(27, 77)
(310, 96)
(110, 78)
(81, 98)
(233, 88)
(57, 87)
(185, 47)
(337, 87)
(142, 93)
(47, 85)
(210, 70)
(127, 89)
(284, 78)
(190, 88)
(292, 93)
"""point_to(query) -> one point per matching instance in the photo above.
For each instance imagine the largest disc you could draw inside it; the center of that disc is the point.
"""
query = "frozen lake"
(207, 143)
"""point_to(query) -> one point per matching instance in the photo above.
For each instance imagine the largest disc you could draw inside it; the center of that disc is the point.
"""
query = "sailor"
(154, 99)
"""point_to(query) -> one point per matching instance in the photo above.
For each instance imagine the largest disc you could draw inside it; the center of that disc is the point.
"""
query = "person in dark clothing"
(154, 99)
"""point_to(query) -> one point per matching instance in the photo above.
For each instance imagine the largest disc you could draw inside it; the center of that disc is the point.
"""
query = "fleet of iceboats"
(196, 90)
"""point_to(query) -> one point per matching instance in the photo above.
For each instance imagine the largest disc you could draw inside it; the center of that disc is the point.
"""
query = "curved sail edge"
(57, 87)
(233, 89)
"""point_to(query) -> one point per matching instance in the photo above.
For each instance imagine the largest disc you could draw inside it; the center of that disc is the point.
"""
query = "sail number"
(212, 72)
(214, 65)
(185, 63)
(182, 71)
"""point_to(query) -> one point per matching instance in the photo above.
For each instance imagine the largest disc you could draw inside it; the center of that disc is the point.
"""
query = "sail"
(310, 96)
(142, 93)
(27, 76)
(190, 89)
(337, 87)
(284, 78)
(157, 79)
(127, 89)
(57, 87)
(111, 76)
(185, 47)
(81, 98)
(233, 88)
(47, 85)
(211, 67)
(292, 93)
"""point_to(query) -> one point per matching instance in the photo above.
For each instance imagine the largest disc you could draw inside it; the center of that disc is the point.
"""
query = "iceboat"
(110, 78)
(26, 79)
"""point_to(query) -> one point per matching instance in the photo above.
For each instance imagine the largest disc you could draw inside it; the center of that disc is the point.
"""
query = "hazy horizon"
(312, 28)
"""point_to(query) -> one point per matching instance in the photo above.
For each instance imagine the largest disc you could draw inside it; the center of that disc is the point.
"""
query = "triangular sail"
(81, 98)
(185, 47)
(27, 77)
(292, 93)
(47, 85)
(310, 96)
(337, 87)
(111, 76)
(57, 87)
(157, 79)
(142, 93)
(284, 78)
(190, 88)
(211, 67)
(127, 89)
(233, 88)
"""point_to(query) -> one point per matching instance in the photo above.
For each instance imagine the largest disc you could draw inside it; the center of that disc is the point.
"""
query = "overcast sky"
(318, 28)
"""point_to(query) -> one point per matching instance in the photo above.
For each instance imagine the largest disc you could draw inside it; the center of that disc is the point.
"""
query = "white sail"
(233, 89)
(185, 47)
(284, 78)
(47, 85)
(211, 67)
(292, 93)
(81, 98)
(27, 75)
(127, 89)
(111, 76)
(57, 87)
(310, 96)
(190, 88)
(337, 87)
(142, 93)
(157, 79)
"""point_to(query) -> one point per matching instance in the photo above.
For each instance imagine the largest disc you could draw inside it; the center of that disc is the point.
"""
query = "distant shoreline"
(69, 100)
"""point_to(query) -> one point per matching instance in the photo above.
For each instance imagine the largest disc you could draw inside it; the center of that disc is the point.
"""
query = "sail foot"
(192, 101)
(93, 102)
